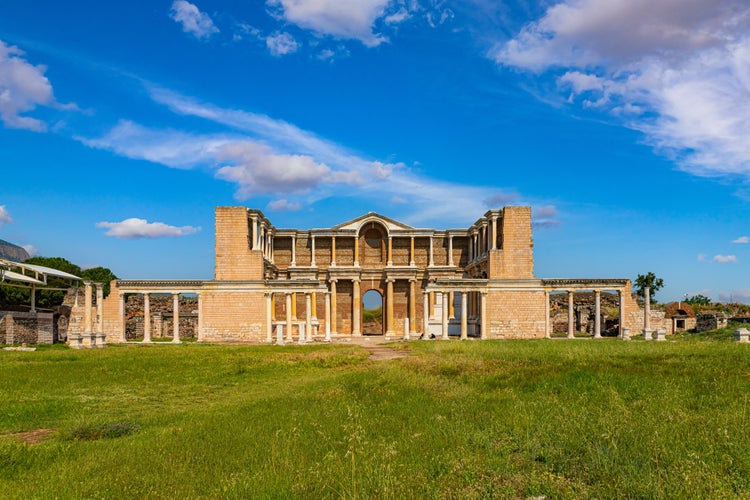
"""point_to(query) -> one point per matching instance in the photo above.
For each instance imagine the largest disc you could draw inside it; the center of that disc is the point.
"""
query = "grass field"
(565, 419)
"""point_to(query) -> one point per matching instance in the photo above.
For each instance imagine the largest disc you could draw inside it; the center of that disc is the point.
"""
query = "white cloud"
(281, 44)
(398, 200)
(724, 259)
(134, 228)
(678, 71)
(5, 217)
(350, 19)
(741, 295)
(193, 21)
(23, 87)
(397, 17)
(742, 239)
(702, 257)
(283, 205)
(31, 250)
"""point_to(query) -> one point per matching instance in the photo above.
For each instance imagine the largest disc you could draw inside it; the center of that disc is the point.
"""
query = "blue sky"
(623, 123)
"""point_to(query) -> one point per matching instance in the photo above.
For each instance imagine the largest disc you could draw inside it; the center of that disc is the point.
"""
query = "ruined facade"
(283, 285)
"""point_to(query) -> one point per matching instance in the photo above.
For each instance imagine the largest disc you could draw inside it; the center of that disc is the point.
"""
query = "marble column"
(464, 316)
(356, 309)
(445, 316)
(389, 307)
(100, 315)
(494, 233)
(289, 319)
(333, 251)
(328, 317)
(121, 316)
(451, 306)
(269, 317)
(334, 314)
(312, 252)
(426, 316)
(598, 314)
(294, 255)
(356, 251)
(87, 326)
(411, 252)
(294, 306)
(389, 260)
(308, 316)
(547, 333)
(413, 305)
(571, 318)
(146, 318)
(431, 261)
(176, 318)
(314, 298)
(450, 250)
(647, 313)
(483, 314)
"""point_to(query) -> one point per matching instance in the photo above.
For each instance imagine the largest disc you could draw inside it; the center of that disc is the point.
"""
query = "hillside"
(12, 252)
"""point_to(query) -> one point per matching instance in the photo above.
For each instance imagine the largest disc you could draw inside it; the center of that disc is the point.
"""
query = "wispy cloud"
(283, 205)
(280, 44)
(742, 239)
(675, 70)
(741, 295)
(545, 217)
(725, 259)
(192, 20)
(134, 228)
(5, 217)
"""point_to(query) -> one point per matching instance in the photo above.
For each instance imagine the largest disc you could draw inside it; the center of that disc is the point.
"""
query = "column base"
(101, 340)
(176, 341)
(75, 341)
(647, 334)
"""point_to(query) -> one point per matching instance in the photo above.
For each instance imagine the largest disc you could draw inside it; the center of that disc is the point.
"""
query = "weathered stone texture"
(516, 314)
(234, 258)
(233, 316)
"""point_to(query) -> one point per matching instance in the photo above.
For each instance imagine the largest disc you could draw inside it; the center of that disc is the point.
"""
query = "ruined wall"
(233, 316)
(26, 327)
(515, 259)
(234, 259)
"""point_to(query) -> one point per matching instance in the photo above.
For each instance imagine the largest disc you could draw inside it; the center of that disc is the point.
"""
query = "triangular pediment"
(360, 221)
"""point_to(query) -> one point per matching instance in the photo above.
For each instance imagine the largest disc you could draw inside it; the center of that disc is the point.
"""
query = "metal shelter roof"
(20, 272)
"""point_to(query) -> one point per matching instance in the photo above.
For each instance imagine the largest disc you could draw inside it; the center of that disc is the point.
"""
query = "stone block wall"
(233, 316)
(234, 258)
(516, 314)
(710, 321)
(515, 260)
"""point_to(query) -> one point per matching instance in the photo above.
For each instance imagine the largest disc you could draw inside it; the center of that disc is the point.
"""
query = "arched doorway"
(372, 313)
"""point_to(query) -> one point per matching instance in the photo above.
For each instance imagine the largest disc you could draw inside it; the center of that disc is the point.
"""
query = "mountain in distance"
(12, 252)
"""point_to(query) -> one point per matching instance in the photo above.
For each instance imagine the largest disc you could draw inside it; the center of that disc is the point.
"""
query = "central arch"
(373, 238)
(372, 313)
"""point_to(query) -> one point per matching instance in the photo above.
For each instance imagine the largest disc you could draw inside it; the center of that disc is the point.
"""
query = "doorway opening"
(372, 313)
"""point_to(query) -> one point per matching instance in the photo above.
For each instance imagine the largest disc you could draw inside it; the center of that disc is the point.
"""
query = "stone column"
(431, 260)
(426, 316)
(328, 317)
(445, 316)
(294, 306)
(356, 308)
(411, 252)
(464, 316)
(87, 326)
(254, 234)
(647, 313)
(571, 319)
(314, 310)
(333, 307)
(121, 316)
(294, 255)
(406, 328)
(431, 311)
(451, 306)
(279, 334)
(389, 260)
(312, 251)
(289, 333)
(356, 251)
(146, 318)
(450, 250)
(176, 318)
(301, 337)
(547, 333)
(483, 313)
(621, 306)
(100, 315)
(269, 317)
(598, 313)
(389, 307)
(333, 251)
(413, 305)
(308, 316)
(494, 233)
(200, 318)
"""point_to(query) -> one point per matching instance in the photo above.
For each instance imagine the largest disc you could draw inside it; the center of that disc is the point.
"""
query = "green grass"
(565, 419)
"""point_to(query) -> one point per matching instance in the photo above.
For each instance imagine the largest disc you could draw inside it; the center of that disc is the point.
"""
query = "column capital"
(99, 286)
(88, 282)
(390, 280)
(333, 280)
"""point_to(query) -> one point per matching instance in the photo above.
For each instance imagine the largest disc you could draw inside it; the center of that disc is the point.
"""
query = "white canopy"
(50, 272)
(10, 275)
(40, 273)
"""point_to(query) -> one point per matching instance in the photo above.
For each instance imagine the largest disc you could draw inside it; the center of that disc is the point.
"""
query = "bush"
(85, 431)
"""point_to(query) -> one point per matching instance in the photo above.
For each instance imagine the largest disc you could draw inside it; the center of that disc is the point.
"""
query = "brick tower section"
(235, 260)
(515, 259)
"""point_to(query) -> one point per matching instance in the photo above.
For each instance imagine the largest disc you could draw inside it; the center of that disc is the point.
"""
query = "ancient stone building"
(291, 285)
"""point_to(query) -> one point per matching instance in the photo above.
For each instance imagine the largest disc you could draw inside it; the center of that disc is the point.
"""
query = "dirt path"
(30, 437)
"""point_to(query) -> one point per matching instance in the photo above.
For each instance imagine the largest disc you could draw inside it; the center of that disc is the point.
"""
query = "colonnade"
(92, 334)
(147, 326)
(571, 312)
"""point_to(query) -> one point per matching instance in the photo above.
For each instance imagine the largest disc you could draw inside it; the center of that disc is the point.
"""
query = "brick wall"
(515, 259)
(233, 316)
(516, 314)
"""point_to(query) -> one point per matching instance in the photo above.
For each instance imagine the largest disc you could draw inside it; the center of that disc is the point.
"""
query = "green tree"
(99, 275)
(649, 281)
(698, 300)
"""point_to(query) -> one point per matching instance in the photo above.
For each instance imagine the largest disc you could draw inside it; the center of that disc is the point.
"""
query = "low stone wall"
(29, 328)
(710, 321)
